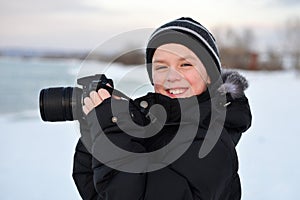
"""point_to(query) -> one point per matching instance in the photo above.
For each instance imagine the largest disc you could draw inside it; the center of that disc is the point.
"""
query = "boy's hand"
(94, 99)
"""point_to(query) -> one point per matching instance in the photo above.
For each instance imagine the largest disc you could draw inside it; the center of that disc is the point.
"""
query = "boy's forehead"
(176, 49)
(173, 47)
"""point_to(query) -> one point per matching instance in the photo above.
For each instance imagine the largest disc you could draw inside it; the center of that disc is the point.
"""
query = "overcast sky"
(83, 24)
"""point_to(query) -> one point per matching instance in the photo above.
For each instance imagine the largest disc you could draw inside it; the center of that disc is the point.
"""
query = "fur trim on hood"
(233, 83)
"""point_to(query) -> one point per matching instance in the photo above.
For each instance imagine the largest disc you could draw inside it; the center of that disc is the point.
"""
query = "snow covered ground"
(268, 152)
(36, 157)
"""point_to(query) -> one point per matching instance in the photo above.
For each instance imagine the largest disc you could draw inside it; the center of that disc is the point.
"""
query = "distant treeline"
(233, 57)
(135, 57)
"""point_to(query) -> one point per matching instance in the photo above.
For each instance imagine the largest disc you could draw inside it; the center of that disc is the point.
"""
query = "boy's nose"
(173, 75)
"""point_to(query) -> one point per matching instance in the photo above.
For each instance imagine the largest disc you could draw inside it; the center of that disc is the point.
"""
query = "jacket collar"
(233, 100)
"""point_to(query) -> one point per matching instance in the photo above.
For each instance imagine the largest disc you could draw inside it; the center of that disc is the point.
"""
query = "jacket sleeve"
(95, 179)
(83, 173)
(82, 164)
(238, 117)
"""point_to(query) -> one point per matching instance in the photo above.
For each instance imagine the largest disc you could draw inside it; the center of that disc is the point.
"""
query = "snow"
(269, 164)
(36, 157)
(36, 160)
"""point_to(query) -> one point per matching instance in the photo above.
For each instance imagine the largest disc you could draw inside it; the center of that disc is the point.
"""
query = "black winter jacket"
(214, 176)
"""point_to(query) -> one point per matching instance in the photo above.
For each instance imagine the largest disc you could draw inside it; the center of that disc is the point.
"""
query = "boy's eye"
(160, 67)
(186, 65)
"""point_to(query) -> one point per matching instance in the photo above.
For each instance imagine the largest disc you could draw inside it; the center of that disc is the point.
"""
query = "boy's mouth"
(176, 91)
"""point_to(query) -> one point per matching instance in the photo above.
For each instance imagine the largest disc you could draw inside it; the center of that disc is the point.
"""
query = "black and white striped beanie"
(191, 34)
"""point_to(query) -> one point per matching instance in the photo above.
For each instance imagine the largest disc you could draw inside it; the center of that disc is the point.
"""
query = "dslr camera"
(65, 103)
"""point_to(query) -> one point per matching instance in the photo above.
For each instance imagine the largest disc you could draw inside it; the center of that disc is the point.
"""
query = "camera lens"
(60, 104)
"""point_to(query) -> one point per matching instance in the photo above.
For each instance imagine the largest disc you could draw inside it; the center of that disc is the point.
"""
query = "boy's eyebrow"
(158, 61)
(188, 57)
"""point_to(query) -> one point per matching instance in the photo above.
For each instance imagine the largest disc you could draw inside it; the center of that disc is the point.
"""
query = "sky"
(84, 24)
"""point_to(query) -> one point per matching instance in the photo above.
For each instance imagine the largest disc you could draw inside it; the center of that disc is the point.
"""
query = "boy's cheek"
(157, 88)
(159, 80)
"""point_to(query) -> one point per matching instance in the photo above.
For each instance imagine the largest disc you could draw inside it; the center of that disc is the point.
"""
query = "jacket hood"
(238, 114)
(233, 83)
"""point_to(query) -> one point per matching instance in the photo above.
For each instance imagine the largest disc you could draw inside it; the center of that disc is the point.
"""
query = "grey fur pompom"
(233, 83)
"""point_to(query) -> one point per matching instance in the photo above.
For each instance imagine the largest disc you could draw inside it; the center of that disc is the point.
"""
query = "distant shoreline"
(135, 57)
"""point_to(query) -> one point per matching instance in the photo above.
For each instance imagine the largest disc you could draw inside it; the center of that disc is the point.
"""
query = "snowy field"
(36, 157)
(268, 152)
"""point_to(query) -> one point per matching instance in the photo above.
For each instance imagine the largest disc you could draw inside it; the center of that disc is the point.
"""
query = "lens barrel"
(60, 104)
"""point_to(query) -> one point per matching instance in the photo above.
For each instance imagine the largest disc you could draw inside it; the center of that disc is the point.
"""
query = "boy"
(184, 67)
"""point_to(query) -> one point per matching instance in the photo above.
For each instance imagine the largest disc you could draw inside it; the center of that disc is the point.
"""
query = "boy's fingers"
(104, 94)
(85, 110)
(95, 98)
(88, 105)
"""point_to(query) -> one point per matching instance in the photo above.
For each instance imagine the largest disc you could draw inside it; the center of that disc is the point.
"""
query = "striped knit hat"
(191, 34)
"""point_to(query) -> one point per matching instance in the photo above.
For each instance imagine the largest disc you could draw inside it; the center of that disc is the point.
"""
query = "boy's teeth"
(176, 91)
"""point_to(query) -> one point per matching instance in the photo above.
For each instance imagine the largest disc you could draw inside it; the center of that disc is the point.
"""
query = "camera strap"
(115, 92)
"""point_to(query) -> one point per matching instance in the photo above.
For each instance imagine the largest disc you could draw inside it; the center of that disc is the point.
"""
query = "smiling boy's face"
(177, 72)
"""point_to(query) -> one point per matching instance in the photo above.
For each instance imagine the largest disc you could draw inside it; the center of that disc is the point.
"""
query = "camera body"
(65, 103)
